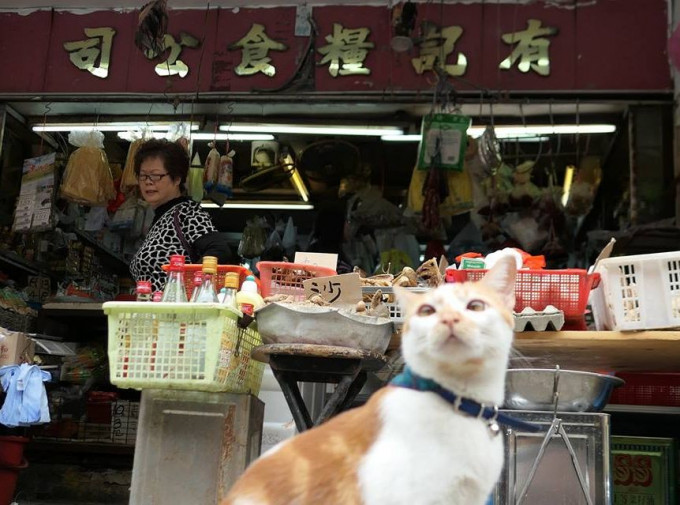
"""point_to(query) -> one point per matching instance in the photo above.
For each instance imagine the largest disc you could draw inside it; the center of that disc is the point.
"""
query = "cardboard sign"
(317, 259)
(337, 290)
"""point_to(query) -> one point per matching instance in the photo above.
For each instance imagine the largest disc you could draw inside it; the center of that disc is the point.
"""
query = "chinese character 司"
(436, 47)
(350, 47)
(332, 288)
(531, 49)
(255, 47)
(94, 53)
(173, 65)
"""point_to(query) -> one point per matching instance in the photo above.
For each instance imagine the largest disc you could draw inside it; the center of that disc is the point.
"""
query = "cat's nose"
(451, 319)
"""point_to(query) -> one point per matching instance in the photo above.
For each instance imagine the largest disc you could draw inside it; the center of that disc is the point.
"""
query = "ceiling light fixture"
(231, 136)
(531, 133)
(363, 131)
(109, 127)
(265, 205)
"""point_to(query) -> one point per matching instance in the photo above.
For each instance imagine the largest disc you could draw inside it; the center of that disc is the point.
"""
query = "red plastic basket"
(222, 271)
(648, 389)
(280, 278)
(567, 290)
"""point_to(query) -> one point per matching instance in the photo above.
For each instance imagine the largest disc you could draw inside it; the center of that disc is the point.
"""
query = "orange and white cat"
(410, 445)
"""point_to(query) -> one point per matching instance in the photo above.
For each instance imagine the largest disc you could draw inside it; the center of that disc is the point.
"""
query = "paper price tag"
(317, 259)
(337, 290)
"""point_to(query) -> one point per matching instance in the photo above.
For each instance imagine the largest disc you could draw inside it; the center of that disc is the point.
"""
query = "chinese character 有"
(173, 65)
(94, 53)
(255, 47)
(436, 47)
(531, 48)
(346, 51)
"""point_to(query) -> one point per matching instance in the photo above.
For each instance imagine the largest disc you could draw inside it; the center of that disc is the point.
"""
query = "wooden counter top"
(657, 351)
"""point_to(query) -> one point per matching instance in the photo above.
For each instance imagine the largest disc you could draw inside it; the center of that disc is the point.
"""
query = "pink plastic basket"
(567, 290)
(280, 278)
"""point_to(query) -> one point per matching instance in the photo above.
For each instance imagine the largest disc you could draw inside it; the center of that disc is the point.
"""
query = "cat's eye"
(426, 310)
(476, 305)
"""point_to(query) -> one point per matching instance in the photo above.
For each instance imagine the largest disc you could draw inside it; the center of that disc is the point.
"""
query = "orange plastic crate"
(567, 290)
(222, 271)
(280, 278)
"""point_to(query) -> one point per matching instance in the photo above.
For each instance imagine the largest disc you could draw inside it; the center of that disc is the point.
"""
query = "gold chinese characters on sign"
(531, 48)
(173, 65)
(94, 53)
(346, 51)
(255, 47)
(435, 49)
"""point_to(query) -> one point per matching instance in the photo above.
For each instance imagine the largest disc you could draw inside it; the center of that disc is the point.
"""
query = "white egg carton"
(550, 318)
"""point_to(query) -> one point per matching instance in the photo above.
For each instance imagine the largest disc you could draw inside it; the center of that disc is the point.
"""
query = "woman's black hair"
(174, 157)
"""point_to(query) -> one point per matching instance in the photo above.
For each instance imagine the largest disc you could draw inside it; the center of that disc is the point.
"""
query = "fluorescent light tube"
(503, 132)
(401, 138)
(259, 205)
(231, 136)
(108, 127)
(364, 131)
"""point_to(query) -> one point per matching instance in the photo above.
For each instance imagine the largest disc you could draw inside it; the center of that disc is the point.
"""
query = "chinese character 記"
(94, 53)
(255, 46)
(348, 46)
(531, 49)
(436, 48)
(173, 65)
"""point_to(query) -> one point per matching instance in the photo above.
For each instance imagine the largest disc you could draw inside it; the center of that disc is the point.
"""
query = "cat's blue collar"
(488, 413)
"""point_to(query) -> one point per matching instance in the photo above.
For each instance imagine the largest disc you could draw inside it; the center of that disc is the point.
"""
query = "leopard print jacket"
(162, 240)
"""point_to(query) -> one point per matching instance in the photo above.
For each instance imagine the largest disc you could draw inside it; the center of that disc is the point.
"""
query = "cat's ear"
(406, 298)
(501, 279)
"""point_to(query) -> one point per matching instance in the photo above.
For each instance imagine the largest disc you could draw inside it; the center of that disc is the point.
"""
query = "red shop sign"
(514, 47)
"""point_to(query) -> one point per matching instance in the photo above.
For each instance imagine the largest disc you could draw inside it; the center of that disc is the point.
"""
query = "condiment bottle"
(198, 280)
(207, 293)
(143, 291)
(230, 289)
(248, 299)
(174, 288)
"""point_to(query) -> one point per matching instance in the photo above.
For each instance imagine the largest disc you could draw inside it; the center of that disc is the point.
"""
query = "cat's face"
(460, 330)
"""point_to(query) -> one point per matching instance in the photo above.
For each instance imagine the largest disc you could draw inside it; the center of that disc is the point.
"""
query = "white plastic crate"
(389, 299)
(638, 292)
(181, 346)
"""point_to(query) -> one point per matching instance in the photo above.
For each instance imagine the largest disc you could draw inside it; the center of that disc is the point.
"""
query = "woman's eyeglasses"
(150, 177)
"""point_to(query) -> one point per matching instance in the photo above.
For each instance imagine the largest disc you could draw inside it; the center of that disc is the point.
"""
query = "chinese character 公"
(531, 49)
(85, 53)
(348, 45)
(172, 65)
(436, 47)
(255, 46)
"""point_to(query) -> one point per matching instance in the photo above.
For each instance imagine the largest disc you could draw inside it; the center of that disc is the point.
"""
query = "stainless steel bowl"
(534, 388)
(280, 323)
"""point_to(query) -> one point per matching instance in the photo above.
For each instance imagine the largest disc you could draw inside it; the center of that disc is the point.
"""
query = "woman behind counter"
(179, 225)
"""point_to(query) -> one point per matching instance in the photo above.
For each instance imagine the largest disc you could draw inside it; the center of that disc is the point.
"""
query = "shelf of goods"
(619, 351)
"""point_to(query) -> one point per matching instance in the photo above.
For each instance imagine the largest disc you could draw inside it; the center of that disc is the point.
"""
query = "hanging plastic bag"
(458, 201)
(87, 179)
(444, 135)
(194, 182)
(212, 166)
(225, 174)
(289, 237)
(253, 238)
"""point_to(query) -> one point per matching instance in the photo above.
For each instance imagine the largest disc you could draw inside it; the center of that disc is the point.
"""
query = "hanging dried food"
(87, 179)
(151, 28)
(129, 180)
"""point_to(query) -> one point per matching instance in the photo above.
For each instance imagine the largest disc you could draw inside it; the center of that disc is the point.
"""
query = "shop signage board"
(480, 46)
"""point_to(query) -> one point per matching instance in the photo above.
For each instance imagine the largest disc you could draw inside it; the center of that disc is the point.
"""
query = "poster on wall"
(34, 205)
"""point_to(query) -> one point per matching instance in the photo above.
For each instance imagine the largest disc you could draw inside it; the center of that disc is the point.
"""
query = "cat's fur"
(406, 447)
